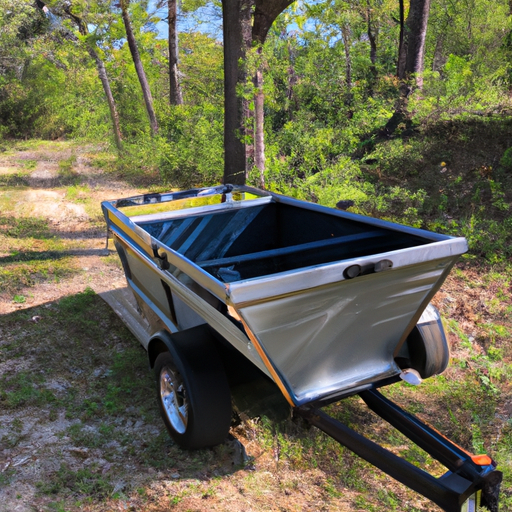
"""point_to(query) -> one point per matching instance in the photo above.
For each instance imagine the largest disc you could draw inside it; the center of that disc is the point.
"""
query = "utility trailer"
(326, 303)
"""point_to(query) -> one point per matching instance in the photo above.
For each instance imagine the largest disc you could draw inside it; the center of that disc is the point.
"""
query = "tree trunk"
(345, 33)
(259, 121)
(176, 97)
(236, 22)
(102, 73)
(248, 114)
(265, 13)
(146, 92)
(410, 61)
(234, 74)
(414, 41)
(372, 37)
(401, 50)
(292, 81)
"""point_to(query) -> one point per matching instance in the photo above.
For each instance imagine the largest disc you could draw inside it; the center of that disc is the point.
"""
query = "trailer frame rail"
(467, 474)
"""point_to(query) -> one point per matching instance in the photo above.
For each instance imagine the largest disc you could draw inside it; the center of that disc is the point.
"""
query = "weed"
(58, 506)
(332, 489)
(11, 441)
(6, 476)
(67, 175)
(30, 165)
(17, 425)
(388, 499)
(85, 481)
(77, 193)
(24, 388)
(84, 435)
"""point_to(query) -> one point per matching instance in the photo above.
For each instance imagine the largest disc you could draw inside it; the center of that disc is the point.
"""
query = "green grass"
(24, 388)
(14, 276)
(85, 481)
(78, 193)
(6, 477)
(34, 254)
(67, 174)
(25, 227)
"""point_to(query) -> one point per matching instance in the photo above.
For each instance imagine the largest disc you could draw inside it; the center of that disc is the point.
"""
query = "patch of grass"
(30, 165)
(14, 276)
(84, 435)
(25, 227)
(18, 179)
(159, 454)
(60, 506)
(127, 386)
(85, 481)
(24, 388)
(6, 476)
(67, 175)
(10, 441)
(332, 488)
(105, 160)
(78, 193)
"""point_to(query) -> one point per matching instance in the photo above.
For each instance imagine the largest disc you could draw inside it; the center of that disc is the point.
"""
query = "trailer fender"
(158, 343)
(162, 341)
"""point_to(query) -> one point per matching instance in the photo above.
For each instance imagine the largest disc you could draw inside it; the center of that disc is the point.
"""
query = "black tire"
(193, 392)
(429, 353)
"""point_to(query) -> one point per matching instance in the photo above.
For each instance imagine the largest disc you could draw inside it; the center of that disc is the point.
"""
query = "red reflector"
(482, 460)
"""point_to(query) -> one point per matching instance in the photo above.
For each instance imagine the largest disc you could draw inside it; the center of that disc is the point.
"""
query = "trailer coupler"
(467, 474)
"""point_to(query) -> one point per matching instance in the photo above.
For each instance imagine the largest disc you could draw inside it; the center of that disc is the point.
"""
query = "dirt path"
(71, 213)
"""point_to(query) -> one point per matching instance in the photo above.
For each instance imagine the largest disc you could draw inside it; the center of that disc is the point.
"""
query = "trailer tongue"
(328, 304)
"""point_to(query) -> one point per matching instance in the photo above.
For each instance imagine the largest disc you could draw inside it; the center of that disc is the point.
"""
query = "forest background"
(338, 126)
(330, 87)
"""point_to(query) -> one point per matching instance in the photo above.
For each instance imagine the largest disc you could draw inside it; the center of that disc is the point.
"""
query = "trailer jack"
(467, 474)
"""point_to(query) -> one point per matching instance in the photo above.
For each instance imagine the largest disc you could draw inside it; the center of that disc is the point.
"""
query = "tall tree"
(372, 32)
(235, 21)
(90, 45)
(237, 28)
(259, 120)
(139, 68)
(176, 96)
(412, 49)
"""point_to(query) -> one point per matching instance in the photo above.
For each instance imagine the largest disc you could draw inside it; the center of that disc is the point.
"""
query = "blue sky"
(190, 22)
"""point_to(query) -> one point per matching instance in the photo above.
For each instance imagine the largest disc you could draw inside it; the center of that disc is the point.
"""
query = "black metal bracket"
(160, 259)
(464, 477)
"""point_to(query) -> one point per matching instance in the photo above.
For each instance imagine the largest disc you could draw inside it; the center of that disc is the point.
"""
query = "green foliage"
(190, 154)
(322, 130)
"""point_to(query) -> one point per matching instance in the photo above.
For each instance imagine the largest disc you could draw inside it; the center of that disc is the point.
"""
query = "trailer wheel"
(428, 347)
(193, 394)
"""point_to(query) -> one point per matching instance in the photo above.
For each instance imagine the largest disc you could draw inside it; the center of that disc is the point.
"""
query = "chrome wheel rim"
(174, 400)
